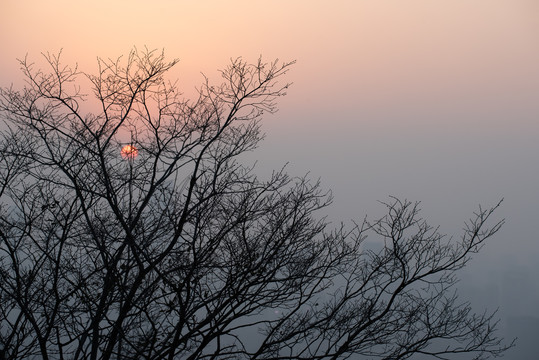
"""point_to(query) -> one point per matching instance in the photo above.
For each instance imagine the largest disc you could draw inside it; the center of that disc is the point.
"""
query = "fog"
(429, 101)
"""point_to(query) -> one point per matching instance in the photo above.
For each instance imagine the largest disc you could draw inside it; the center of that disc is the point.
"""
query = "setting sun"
(129, 152)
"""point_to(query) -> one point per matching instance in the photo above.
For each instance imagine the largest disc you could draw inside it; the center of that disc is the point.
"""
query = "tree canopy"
(130, 229)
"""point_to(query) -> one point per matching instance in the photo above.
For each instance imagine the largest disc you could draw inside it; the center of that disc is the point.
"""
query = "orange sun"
(129, 152)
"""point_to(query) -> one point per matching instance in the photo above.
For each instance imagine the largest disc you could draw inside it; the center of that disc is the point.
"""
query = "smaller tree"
(133, 232)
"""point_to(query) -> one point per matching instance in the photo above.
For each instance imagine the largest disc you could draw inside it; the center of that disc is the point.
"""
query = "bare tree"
(129, 229)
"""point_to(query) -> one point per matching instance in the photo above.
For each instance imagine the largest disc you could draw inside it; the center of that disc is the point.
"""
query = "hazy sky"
(428, 100)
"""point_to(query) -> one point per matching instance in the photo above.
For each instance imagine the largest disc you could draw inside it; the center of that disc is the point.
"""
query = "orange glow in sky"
(422, 99)
(357, 56)
(129, 152)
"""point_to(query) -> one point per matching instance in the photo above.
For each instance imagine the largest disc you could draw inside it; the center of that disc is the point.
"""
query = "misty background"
(424, 100)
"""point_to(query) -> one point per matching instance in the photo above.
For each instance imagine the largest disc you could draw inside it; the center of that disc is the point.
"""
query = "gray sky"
(436, 101)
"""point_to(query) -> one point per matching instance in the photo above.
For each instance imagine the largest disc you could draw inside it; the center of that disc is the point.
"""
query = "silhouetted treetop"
(130, 229)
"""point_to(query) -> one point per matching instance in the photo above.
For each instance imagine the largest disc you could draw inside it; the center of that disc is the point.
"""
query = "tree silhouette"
(171, 248)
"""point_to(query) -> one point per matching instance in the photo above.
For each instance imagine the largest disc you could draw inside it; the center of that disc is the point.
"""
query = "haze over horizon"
(430, 101)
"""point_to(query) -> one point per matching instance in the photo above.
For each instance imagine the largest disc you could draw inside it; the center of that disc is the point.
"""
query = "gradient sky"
(428, 100)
